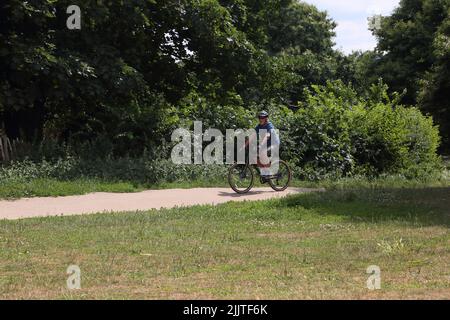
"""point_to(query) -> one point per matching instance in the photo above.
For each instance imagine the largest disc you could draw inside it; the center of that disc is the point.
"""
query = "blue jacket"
(274, 138)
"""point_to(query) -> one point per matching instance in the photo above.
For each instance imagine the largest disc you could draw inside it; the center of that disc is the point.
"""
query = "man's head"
(263, 117)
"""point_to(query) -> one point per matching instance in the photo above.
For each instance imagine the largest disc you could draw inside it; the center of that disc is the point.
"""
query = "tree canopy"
(137, 67)
(133, 61)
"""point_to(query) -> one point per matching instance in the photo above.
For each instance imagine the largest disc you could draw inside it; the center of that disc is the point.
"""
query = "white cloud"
(354, 35)
(356, 6)
(351, 17)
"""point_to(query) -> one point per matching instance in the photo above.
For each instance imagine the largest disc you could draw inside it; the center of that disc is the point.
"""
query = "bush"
(337, 134)
(144, 171)
(393, 140)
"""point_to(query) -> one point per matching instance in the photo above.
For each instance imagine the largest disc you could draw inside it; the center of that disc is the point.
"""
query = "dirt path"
(151, 199)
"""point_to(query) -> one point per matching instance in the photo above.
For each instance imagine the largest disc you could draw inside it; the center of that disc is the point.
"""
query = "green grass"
(28, 179)
(306, 246)
(51, 187)
(47, 187)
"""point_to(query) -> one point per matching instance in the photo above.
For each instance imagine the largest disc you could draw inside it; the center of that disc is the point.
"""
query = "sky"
(351, 17)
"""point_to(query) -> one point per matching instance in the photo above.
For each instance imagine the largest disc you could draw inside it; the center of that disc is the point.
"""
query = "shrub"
(137, 170)
(336, 134)
(393, 139)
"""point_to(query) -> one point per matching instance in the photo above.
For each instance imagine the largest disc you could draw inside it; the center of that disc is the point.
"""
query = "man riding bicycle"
(272, 170)
(267, 141)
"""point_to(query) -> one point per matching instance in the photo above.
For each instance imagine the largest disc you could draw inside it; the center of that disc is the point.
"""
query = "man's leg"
(264, 161)
(268, 163)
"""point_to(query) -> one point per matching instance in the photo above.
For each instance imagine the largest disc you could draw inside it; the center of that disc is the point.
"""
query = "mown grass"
(302, 247)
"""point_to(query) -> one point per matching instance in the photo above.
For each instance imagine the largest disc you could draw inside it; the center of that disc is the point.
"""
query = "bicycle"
(241, 177)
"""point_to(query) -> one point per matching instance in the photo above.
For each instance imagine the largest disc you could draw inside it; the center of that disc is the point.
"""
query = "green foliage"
(435, 85)
(393, 139)
(230, 115)
(338, 134)
(125, 76)
(107, 98)
(406, 38)
(140, 171)
(412, 57)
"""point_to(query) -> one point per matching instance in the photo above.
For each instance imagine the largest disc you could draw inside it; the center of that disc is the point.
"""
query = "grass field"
(302, 247)
(46, 187)
(14, 185)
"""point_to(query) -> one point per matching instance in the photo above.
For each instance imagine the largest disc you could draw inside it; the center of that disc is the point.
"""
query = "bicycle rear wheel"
(280, 181)
(241, 178)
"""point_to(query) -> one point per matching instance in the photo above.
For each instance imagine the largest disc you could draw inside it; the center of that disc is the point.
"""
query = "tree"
(405, 44)
(435, 85)
(295, 43)
(133, 63)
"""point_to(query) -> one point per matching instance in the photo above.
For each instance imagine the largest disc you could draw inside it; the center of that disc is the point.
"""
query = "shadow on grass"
(419, 206)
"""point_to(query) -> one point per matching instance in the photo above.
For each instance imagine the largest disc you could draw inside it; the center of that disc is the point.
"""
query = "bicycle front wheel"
(280, 181)
(241, 178)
